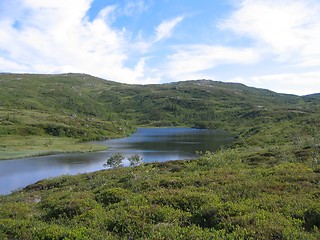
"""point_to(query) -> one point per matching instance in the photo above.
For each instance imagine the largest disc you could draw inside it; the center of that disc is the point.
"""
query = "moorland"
(265, 186)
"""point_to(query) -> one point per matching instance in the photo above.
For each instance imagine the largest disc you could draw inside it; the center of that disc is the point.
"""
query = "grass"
(219, 196)
(266, 186)
(27, 146)
(83, 107)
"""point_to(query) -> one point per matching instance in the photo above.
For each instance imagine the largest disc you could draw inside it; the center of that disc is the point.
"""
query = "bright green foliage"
(67, 205)
(13, 146)
(266, 186)
(111, 195)
(176, 200)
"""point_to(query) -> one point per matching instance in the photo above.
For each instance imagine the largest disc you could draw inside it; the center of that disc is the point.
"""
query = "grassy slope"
(54, 106)
(12, 147)
(85, 108)
(265, 187)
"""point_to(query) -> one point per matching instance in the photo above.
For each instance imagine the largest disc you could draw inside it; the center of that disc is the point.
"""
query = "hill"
(55, 109)
(266, 186)
(309, 97)
(85, 107)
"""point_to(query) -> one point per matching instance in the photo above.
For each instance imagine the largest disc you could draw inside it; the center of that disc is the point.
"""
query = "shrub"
(115, 161)
(181, 199)
(135, 160)
(111, 196)
(52, 231)
(16, 210)
(67, 204)
(312, 218)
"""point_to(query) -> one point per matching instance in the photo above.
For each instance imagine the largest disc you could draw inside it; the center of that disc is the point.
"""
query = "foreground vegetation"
(225, 195)
(266, 186)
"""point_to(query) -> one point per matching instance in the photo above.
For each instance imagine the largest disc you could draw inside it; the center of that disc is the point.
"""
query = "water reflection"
(152, 144)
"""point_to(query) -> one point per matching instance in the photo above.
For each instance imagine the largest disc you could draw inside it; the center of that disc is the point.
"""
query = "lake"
(152, 144)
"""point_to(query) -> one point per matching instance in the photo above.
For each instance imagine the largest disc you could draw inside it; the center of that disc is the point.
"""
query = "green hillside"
(80, 107)
(88, 108)
(35, 104)
(266, 186)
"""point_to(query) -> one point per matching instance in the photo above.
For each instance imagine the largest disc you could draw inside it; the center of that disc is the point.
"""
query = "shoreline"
(48, 153)
(18, 147)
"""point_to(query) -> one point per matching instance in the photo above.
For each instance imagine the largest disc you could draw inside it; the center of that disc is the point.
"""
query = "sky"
(272, 44)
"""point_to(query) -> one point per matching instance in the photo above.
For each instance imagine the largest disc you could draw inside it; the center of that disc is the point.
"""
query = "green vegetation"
(87, 108)
(115, 161)
(266, 186)
(220, 196)
(12, 147)
(135, 160)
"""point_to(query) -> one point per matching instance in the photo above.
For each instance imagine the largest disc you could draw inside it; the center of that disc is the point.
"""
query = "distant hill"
(86, 107)
(315, 95)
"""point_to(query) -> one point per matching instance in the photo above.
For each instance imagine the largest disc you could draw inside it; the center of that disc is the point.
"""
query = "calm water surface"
(152, 144)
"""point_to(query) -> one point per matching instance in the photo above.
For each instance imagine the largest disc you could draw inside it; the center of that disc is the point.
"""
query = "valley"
(264, 186)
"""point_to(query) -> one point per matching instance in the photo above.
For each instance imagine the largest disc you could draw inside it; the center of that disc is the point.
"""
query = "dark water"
(152, 144)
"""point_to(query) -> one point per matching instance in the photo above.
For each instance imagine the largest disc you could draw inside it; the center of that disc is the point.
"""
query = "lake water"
(152, 144)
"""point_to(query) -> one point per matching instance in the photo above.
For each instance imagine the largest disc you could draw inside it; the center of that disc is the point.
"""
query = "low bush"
(67, 205)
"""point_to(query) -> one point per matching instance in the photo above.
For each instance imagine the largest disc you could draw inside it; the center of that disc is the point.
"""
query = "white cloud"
(12, 66)
(56, 36)
(295, 83)
(290, 29)
(191, 61)
(164, 30)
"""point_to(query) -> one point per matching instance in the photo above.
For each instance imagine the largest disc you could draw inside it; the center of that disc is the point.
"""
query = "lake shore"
(13, 147)
(151, 144)
(16, 146)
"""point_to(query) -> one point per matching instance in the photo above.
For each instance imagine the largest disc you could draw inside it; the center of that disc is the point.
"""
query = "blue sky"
(269, 44)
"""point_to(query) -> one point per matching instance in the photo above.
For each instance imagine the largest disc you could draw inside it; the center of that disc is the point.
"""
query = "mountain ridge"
(73, 74)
